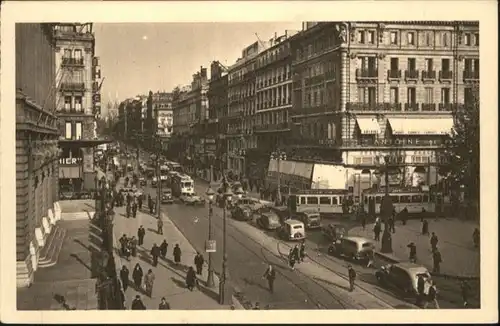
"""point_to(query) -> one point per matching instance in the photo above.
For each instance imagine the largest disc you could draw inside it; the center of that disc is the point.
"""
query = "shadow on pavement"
(180, 284)
(62, 301)
(253, 283)
(81, 244)
(208, 292)
(81, 261)
(345, 288)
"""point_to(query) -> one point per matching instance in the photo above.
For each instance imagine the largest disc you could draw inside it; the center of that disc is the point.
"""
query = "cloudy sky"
(139, 57)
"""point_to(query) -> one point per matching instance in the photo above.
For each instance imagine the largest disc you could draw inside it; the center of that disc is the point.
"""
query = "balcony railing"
(412, 107)
(312, 110)
(73, 86)
(374, 107)
(366, 73)
(445, 75)
(428, 106)
(235, 131)
(411, 74)
(274, 127)
(445, 106)
(428, 75)
(72, 62)
(471, 75)
(394, 74)
(71, 111)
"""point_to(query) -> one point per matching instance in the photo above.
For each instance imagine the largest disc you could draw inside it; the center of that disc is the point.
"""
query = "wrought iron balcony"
(71, 111)
(428, 75)
(72, 86)
(366, 73)
(412, 107)
(445, 75)
(394, 74)
(72, 62)
(445, 107)
(411, 74)
(274, 127)
(471, 75)
(311, 110)
(428, 106)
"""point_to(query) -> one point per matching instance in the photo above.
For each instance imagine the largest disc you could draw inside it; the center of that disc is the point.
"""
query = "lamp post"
(210, 195)
(156, 160)
(224, 292)
(278, 156)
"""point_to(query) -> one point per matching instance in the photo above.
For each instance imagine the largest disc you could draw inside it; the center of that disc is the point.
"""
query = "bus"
(182, 183)
(325, 201)
(173, 166)
(416, 200)
(163, 173)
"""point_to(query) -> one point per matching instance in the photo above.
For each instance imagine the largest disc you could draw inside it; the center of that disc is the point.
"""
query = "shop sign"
(70, 160)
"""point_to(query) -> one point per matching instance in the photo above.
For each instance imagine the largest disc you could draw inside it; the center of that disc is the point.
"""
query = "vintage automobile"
(142, 181)
(311, 220)
(149, 172)
(333, 232)
(403, 278)
(154, 182)
(292, 230)
(242, 213)
(267, 219)
(253, 203)
(166, 196)
(282, 211)
(191, 199)
(355, 248)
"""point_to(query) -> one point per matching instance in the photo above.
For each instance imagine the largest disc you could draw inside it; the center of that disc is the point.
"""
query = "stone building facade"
(37, 152)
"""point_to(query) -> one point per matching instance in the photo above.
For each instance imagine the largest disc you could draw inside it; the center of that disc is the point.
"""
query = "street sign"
(210, 246)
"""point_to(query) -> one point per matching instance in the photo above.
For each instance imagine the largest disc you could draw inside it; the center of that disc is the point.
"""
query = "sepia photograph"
(304, 164)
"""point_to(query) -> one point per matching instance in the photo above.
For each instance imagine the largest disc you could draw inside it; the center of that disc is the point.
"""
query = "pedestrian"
(420, 290)
(413, 252)
(141, 232)
(137, 276)
(129, 199)
(163, 248)
(465, 289)
(434, 241)
(164, 305)
(190, 278)
(425, 227)
(363, 221)
(432, 296)
(352, 277)
(371, 258)
(124, 273)
(155, 253)
(476, 237)
(404, 215)
(391, 225)
(296, 254)
(149, 280)
(133, 246)
(437, 260)
(270, 275)
(150, 204)
(128, 210)
(198, 262)
(302, 251)
(139, 201)
(137, 304)
(177, 254)
(160, 226)
(291, 259)
(376, 230)
(123, 243)
(134, 209)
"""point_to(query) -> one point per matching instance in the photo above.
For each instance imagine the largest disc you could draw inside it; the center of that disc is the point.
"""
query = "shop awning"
(368, 126)
(421, 126)
(70, 172)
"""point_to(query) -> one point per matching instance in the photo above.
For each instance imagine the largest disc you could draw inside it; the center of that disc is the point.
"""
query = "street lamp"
(210, 195)
(225, 296)
(278, 156)
(156, 160)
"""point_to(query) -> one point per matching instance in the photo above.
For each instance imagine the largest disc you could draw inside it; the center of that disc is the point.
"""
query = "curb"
(392, 259)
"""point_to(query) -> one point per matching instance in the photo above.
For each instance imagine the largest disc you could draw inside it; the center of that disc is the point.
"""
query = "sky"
(138, 57)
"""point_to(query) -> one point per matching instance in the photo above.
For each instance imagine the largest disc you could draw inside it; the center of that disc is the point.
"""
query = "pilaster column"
(344, 79)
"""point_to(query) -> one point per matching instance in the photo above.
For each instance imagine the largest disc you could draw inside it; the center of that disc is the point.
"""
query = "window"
(372, 95)
(404, 199)
(445, 39)
(445, 64)
(429, 96)
(416, 199)
(371, 37)
(78, 54)
(476, 65)
(67, 53)
(312, 200)
(324, 200)
(334, 200)
(361, 95)
(411, 38)
(412, 64)
(394, 64)
(445, 95)
(476, 39)
(78, 130)
(303, 200)
(428, 39)
(378, 199)
(68, 130)
(467, 39)
(395, 199)
(67, 102)
(394, 95)
(78, 103)
(394, 38)
(77, 76)
(429, 65)
(361, 36)
(412, 95)
(372, 64)
(468, 95)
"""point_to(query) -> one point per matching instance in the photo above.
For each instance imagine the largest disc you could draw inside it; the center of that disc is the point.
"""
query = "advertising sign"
(210, 246)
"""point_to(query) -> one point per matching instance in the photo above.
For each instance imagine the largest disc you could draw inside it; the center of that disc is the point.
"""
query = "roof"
(358, 239)
(411, 266)
(293, 222)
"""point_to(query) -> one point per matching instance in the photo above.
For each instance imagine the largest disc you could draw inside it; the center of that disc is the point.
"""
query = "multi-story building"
(190, 111)
(130, 118)
(163, 116)
(77, 103)
(215, 141)
(37, 152)
(273, 93)
(241, 109)
(369, 91)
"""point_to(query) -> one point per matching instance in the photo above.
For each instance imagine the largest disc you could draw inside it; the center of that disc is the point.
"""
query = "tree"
(462, 151)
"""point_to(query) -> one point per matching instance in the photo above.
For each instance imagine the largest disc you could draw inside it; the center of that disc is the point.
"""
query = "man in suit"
(270, 274)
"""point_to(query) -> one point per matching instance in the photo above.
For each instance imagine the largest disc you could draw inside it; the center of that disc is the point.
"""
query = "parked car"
(403, 278)
(355, 248)
(142, 181)
(282, 211)
(311, 220)
(292, 230)
(191, 199)
(253, 203)
(333, 231)
(267, 219)
(242, 213)
(166, 197)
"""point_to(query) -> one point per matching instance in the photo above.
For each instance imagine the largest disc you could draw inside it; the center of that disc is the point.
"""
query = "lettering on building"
(70, 160)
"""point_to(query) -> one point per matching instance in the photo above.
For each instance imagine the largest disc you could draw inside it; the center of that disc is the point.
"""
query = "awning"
(421, 126)
(69, 172)
(368, 126)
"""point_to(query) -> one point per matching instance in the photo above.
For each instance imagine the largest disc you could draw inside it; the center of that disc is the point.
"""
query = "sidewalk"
(170, 279)
(460, 258)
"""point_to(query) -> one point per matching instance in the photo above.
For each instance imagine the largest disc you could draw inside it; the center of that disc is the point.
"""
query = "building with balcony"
(366, 90)
(241, 109)
(37, 153)
(78, 104)
(163, 116)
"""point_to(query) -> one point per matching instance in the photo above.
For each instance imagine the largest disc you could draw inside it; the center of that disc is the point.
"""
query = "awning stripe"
(421, 126)
(368, 126)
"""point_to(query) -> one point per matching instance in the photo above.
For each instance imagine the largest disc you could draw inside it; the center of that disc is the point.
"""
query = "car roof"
(412, 267)
(293, 222)
(357, 239)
